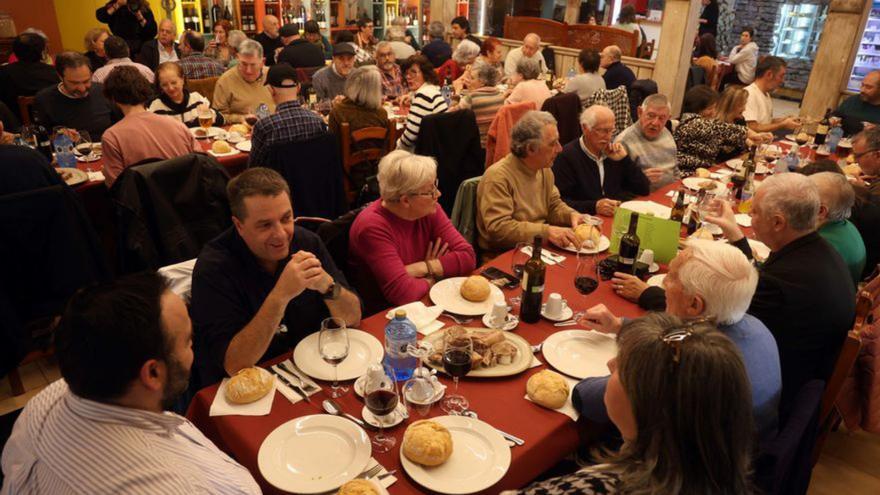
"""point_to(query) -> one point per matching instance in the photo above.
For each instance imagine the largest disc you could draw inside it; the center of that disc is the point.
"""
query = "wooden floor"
(850, 462)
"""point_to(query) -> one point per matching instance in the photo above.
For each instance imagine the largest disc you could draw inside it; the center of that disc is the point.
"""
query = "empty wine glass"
(333, 344)
(380, 397)
(457, 352)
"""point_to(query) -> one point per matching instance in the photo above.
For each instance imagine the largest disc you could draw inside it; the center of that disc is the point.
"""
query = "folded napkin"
(96, 176)
(286, 391)
(423, 317)
(547, 257)
(568, 409)
(385, 482)
(222, 407)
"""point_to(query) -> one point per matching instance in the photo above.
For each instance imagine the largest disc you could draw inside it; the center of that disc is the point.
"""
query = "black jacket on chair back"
(566, 109)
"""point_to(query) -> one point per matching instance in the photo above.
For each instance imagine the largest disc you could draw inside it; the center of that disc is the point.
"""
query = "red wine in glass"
(381, 402)
(585, 285)
(251, 120)
(457, 362)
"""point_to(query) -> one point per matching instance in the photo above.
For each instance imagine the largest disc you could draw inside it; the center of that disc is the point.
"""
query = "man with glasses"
(392, 78)
(241, 90)
(592, 173)
(161, 49)
(650, 144)
(866, 151)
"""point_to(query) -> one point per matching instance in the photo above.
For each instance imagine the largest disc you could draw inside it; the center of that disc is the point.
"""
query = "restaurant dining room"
(393, 247)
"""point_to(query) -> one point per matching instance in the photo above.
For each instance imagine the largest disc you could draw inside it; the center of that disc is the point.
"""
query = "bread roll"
(702, 173)
(475, 288)
(248, 385)
(547, 388)
(588, 235)
(427, 442)
(358, 487)
(220, 146)
(242, 129)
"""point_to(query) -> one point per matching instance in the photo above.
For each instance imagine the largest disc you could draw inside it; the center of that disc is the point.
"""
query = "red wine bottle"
(629, 246)
(533, 285)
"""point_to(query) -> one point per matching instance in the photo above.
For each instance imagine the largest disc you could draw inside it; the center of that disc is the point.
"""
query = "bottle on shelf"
(400, 333)
(629, 246)
(533, 285)
(822, 128)
(677, 213)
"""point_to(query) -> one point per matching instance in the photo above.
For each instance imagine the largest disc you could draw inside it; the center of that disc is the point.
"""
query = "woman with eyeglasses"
(403, 243)
(679, 394)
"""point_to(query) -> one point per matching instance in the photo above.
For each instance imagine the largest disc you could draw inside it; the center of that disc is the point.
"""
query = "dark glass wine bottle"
(822, 128)
(629, 247)
(44, 140)
(533, 285)
(678, 210)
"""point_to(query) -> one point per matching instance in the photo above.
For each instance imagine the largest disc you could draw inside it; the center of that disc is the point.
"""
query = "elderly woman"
(218, 47)
(235, 40)
(528, 86)
(483, 96)
(464, 55)
(425, 98)
(94, 41)
(662, 412)
(588, 81)
(404, 242)
(176, 101)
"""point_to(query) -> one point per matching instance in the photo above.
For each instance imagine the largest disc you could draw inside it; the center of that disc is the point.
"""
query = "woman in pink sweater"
(404, 242)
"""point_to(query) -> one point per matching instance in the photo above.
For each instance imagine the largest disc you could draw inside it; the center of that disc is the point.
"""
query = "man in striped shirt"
(125, 351)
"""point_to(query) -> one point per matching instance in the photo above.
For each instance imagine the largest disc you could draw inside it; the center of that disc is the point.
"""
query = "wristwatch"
(332, 292)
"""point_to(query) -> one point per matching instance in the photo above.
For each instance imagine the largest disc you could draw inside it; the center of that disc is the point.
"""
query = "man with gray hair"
(437, 50)
(517, 199)
(241, 90)
(393, 85)
(650, 144)
(711, 280)
(592, 173)
(616, 74)
(837, 198)
(161, 49)
(270, 38)
(530, 49)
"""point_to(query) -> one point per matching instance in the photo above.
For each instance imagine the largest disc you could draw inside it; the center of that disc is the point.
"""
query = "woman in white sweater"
(425, 98)
(175, 100)
(744, 58)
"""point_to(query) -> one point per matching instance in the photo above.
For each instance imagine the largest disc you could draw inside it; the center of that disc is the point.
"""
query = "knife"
(290, 384)
(295, 372)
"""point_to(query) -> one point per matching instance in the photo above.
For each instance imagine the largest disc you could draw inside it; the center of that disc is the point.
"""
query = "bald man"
(616, 74)
(270, 38)
(163, 48)
(864, 107)
(531, 49)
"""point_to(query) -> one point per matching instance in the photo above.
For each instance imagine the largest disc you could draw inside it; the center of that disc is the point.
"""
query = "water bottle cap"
(400, 314)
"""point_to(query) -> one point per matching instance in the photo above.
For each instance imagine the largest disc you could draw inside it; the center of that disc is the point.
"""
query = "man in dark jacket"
(270, 38)
(299, 52)
(131, 20)
(592, 173)
(616, 74)
(163, 48)
(29, 74)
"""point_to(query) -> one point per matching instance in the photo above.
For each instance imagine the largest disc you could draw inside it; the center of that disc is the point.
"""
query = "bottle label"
(626, 261)
(822, 129)
(537, 289)
(525, 280)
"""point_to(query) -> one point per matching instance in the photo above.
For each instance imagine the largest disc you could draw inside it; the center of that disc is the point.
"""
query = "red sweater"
(381, 244)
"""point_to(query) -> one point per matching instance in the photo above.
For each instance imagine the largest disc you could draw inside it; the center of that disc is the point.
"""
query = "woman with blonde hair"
(732, 104)
(94, 41)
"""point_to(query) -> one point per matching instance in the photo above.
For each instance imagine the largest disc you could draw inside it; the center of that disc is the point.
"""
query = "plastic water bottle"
(63, 146)
(834, 136)
(262, 111)
(446, 92)
(400, 332)
(571, 73)
(790, 160)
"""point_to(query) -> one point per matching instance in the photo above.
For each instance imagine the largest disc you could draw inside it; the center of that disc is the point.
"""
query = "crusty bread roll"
(702, 173)
(588, 235)
(248, 385)
(475, 288)
(220, 146)
(242, 129)
(358, 487)
(548, 389)
(427, 442)
(852, 169)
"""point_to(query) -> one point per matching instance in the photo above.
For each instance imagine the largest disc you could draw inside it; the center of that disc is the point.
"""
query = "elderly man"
(759, 106)
(117, 56)
(706, 280)
(616, 74)
(194, 63)
(461, 30)
(76, 102)
(270, 38)
(650, 144)
(240, 90)
(298, 51)
(393, 85)
(290, 122)
(517, 199)
(163, 48)
(437, 50)
(264, 284)
(330, 81)
(592, 173)
(530, 49)
(864, 107)
(124, 350)
(837, 198)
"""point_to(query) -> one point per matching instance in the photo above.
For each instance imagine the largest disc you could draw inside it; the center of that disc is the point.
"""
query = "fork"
(306, 386)
(369, 473)
(458, 319)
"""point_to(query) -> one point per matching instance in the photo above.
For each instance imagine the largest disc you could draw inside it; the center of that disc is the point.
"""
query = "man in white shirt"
(744, 58)
(531, 48)
(759, 106)
(125, 351)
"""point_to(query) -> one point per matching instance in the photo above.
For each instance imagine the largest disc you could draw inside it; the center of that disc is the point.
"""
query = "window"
(797, 30)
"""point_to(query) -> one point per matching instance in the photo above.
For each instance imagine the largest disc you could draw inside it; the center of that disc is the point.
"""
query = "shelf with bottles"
(188, 16)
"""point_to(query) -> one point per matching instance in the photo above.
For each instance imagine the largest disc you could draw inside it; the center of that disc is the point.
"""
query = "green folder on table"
(658, 234)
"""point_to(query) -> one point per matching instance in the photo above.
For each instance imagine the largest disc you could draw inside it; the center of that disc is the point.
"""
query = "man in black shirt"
(263, 285)
(616, 74)
(270, 38)
(299, 52)
(29, 74)
(131, 20)
(76, 102)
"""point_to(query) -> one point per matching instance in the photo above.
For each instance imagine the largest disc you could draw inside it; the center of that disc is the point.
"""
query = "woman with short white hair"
(528, 86)
(462, 57)
(403, 243)
(482, 96)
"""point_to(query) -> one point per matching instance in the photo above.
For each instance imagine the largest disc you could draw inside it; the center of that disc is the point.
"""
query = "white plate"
(76, 176)
(759, 250)
(363, 350)
(656, 280)
(479, 459)
(647, 207)
(232, 152)
(580, 353)
(565, 314)
(244, 146)
(212, 132)
(520, 363)
(734, 163)
(604, 243)
(314, 454)
(693, 183)
(511, 322)
(393, 419)
(447, 294)
(743, 219)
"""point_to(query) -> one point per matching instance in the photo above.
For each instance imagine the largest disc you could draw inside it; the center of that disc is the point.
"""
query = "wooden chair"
(646, 50)
(204, 87)
(26, 109)
(350, 141)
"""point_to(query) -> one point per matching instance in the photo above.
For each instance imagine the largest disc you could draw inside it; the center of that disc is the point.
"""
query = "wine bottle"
(44, 141)
(629, 247)
(739, 179)
(533, 285)
(822, 128)
(678, 210)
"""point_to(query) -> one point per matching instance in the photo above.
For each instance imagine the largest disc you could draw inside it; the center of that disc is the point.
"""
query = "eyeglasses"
(606, 131)
(675, 337)
(435, 191)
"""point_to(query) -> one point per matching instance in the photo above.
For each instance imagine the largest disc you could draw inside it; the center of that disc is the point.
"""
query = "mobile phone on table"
(500, 278)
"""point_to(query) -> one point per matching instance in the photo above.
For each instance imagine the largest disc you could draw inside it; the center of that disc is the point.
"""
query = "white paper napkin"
(568, 409)
(535, 362)
(423, 317)
(743, 219)
(222, 407)
(547, 257)
(96, 176)
(385, 482)
(286, 391)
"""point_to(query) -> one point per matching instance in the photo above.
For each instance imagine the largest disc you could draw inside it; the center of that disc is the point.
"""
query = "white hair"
(591, 114)
(836, 193)
(656, 100)
(466, 52)
(250, 47)
(402, 172)
(721, 275)
(235, 38)
(363, 86)
(795, 197)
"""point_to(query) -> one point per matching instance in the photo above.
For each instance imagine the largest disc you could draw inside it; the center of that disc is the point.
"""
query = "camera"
(134, 5)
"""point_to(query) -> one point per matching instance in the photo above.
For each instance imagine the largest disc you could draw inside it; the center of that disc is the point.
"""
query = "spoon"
(331, 407)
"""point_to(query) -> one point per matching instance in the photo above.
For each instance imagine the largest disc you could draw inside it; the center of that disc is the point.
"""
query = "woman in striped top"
(175, 100)
(425, 98)
(483, 96)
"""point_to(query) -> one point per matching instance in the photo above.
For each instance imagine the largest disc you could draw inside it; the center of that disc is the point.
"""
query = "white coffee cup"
(554, 306)
(647, 257)
(499, 314)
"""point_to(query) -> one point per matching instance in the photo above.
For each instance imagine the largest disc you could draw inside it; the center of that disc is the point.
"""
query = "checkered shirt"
(290, 123)
(198, 66)
(392, 83)
(618, 101)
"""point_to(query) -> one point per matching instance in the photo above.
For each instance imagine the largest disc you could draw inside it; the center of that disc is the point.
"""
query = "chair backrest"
(617, 100)
(204, 87)
(26, 109)
(598, 37)
(304, 76)
(498, 137)
(566, 108)
(360, 146)
(334, 235)
(637, 92)
(550, 31)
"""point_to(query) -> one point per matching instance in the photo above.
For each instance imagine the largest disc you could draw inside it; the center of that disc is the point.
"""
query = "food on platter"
(358, 487)
(242, 129)
(475, 289)
(707, 184)
(702, 233)
(200, 133)
(852, 169)
(547, 388)
(427, 443)
(702, 173)
(489, 347)
(588, 235)
(248, 385)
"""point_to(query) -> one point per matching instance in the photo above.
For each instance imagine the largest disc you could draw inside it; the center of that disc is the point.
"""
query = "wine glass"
(333, 344)
(519, 258)
(82, 147)
(380, 397)
(586, 278)
(457, 352)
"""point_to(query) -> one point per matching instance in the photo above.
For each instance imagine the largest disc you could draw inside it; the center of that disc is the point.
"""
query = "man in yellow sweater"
(517, 198)
(241, 89)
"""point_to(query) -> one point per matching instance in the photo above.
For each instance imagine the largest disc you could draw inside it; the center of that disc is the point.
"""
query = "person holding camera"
(131, 20)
